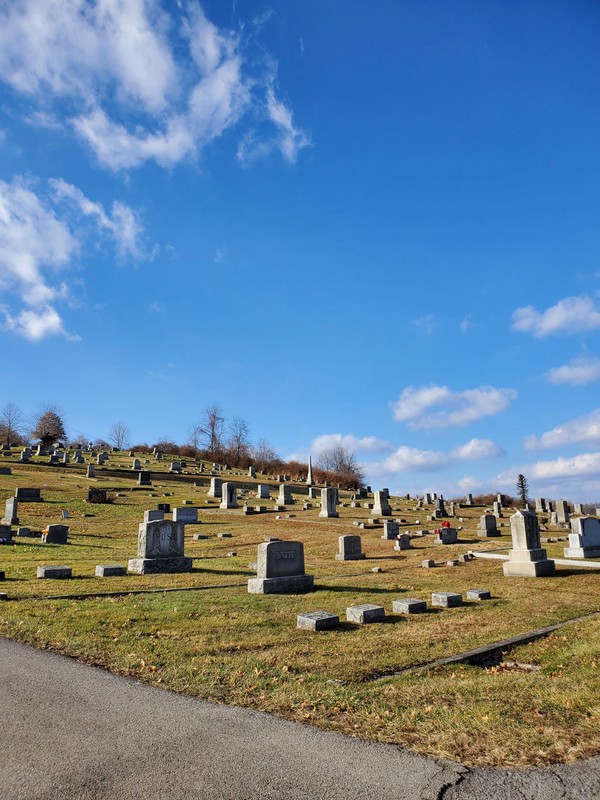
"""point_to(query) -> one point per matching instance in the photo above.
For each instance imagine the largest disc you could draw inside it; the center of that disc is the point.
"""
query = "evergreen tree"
(522, 489)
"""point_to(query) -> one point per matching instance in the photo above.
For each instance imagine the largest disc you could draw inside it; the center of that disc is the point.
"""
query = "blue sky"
(374, 222)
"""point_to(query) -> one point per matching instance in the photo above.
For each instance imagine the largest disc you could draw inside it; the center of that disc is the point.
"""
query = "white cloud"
(410, 458)
(583, 464)
(581, 429)
(426, 324)
(477, 449)
(139, 82)
(289, 139)
(457, 408)
(466, 324)
(36, 244)
(570, 315)
(566, 471)
(577, 372)
(68, 48)
(406, 459)
(122, 223)
(366, 444)
(36, 325)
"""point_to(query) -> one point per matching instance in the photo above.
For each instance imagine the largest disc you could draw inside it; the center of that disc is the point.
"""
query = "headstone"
(578, 509)
(59, 573)
(584, 539)
(5, 534)
(284, 498)
(527, 558)
(427, 499)
(110, 570)
(229, 495)
(215, 489)
(562, 514)
(90, 472)
(365, 613)
(349, 549)
(317, 621)
(56, 534)
(497, 509)
(28, 495)
(403, 542)
(153, 514)
(309, 476)
(11, 508)
(251, 472)
(391, 529)
(469, 500)
(487, 526)
(313, 493)
(381, 506)
(144, 478)
(262, 492)
(280, 569)
(136, 464)
(164, 507)
(160, 548)
(175, 466)
(187, 515)
(439, 507)
(409, 605)
(446, 536)
(540, 505)
(446, 599)
(328, 503)
(478, 594)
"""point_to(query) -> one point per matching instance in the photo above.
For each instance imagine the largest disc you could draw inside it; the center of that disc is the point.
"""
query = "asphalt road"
(73, 732)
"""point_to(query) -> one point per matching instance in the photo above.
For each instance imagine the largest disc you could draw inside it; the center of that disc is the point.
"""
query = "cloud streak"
(577, 372)
(569, 316)
(416, 405)
(581, 429)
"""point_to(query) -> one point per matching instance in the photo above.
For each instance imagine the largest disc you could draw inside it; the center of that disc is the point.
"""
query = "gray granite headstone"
(280, 569)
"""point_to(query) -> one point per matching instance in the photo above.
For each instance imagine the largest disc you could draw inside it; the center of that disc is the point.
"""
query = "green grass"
(228, 646)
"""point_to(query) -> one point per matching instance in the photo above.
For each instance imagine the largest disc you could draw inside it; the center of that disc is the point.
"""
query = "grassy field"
(214, 640)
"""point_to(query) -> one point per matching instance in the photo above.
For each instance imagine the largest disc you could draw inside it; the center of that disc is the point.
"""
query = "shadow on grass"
(355, 589)
(245, 573)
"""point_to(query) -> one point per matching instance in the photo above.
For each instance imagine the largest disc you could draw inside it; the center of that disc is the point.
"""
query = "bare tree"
(238, 443)
(341, 460)
(50, 426)
(119, 434)
(263, 455)
(209, 432)
(12, 422)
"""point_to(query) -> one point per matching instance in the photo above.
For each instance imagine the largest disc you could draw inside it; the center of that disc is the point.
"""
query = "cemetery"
(297, 615)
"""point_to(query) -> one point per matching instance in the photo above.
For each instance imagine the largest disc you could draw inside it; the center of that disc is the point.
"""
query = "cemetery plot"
(219, 641)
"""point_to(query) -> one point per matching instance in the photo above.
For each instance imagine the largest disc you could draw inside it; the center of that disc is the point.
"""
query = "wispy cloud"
(466, 325)
(121, 223)
(569, 316)
(426, 324)
(38, 241)
(581, 429)
(415, 404)
(138, 82)
(577, 372)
